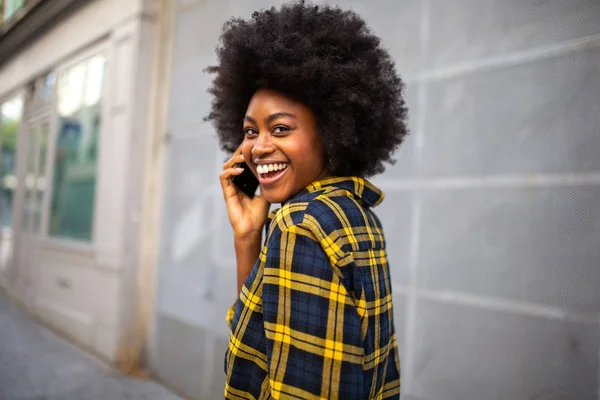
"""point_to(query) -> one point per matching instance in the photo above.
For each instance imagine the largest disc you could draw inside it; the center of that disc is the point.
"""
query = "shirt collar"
(361, 189)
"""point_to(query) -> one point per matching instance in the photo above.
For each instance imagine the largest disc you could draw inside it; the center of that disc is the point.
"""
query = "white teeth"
(263, 169)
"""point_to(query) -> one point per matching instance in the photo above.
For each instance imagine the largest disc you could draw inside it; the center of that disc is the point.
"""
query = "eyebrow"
(271, 117)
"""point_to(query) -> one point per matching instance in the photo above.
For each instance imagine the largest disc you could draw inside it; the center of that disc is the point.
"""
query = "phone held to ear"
(246, 181)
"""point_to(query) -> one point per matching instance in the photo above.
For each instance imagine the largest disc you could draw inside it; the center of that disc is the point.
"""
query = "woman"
(308, 99)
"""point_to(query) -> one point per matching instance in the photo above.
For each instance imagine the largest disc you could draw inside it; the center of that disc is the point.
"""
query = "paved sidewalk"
(35, 364)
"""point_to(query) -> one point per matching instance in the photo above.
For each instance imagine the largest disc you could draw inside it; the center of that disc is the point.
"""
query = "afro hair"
(325, 58)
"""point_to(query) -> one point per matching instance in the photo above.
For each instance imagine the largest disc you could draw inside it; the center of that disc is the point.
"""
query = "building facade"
(74, 90)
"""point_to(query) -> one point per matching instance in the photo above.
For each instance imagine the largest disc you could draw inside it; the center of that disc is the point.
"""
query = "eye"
(250, 132)
(281, 129)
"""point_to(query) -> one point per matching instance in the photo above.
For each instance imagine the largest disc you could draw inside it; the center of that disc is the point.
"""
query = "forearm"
(247, 250)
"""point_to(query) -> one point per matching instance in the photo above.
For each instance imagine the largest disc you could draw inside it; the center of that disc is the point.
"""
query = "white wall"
(492, 213)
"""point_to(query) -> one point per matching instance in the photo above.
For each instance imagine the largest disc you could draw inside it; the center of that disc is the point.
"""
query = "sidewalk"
(35, 364)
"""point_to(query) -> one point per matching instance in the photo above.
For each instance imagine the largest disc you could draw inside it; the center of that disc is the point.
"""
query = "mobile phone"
(246, 181)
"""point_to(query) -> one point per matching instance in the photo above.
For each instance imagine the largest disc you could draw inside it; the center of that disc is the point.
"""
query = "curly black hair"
(329, 60)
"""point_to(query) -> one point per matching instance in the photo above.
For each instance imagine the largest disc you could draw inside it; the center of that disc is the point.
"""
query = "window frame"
(80, 246)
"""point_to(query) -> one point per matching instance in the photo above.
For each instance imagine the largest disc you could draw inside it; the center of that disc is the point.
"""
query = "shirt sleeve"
(313, 328)
(230, 312)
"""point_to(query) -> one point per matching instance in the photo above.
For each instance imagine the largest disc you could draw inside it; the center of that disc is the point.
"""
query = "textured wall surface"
(492, 213)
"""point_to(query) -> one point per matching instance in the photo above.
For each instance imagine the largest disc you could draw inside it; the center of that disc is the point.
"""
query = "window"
(10, 8)
(79, 99)
(10, 122)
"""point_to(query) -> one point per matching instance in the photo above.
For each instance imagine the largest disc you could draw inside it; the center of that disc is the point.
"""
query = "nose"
(262, 145)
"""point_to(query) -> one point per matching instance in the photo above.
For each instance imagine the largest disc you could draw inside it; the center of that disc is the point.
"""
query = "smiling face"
(281, 145)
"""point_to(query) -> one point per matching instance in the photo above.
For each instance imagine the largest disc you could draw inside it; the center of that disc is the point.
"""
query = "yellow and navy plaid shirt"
(314, 319)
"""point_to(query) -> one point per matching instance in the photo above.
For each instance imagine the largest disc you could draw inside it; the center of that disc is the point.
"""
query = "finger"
(233, 161)
(237, 153)
(226, 175)
(239, 149)
(229, 189)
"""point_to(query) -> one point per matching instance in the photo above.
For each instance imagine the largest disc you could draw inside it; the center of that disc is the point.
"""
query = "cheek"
(310, 144)
(317, 151)
(309, 158)
(246, 149)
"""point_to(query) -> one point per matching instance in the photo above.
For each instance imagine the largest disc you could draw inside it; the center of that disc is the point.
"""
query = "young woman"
(311, 102)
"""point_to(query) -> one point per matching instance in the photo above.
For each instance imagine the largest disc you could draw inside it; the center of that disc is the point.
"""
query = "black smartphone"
(246, 181)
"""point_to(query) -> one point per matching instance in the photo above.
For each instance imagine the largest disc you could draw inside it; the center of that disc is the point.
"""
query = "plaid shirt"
(314, 319)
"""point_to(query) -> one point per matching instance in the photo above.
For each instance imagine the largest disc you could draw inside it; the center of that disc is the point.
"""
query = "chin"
(275, 196)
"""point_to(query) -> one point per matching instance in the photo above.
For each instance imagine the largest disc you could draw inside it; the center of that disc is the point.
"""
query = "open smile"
(268, 174)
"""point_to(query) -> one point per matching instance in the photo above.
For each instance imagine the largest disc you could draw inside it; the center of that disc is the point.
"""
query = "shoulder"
(323, 214)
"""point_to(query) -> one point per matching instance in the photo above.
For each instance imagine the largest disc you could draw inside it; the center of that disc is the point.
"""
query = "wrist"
(250, 238)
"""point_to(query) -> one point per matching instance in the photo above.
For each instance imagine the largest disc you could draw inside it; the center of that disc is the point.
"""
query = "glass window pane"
(11, 7)
(10, 122)
(48, 84)
(75, 159)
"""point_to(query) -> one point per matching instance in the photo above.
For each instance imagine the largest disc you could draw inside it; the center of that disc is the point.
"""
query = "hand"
(246, 215)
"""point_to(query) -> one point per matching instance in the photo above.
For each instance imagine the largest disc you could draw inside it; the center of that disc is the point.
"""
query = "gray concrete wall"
(492, 213)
